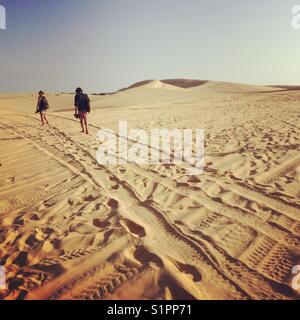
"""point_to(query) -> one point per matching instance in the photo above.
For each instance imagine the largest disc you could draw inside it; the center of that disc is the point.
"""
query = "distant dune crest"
(174, 84)
(156, 84)
(181, 83)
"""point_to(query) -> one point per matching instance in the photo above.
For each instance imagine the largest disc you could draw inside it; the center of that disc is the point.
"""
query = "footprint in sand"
(32, 241)
(90, 198)
(21, 259)
(49, 204)
(133, 228)
(189, 269)
(113, 204)
(34, 217)
(100, 224)
(144, 256)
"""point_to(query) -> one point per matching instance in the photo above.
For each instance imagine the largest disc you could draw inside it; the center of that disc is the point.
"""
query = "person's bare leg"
(45, 117)
(86, 126)
(42, 119)
(81, 123)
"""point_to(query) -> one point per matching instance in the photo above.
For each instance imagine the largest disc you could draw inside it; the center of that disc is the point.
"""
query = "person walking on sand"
(42, 107)
(82, 108)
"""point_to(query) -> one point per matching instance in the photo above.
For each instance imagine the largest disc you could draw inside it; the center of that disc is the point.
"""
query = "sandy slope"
(71, 229)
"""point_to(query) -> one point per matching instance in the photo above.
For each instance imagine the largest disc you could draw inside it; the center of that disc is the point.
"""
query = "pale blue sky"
(104, 45)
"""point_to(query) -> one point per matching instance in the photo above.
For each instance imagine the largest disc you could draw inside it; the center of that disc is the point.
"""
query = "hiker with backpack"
(42, 107)
(82, 108)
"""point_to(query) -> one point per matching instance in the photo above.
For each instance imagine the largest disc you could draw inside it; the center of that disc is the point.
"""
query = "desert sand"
(73, 229)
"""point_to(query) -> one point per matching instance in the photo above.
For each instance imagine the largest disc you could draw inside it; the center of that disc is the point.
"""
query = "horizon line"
(131, 86)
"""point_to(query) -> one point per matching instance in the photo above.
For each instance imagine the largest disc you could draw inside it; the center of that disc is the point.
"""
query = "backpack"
(84, 102)
(43, 104)
(46, 104)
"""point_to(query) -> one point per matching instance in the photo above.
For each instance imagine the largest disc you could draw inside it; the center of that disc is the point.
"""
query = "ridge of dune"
(286, 87)
(202, 85)
(180, 83)
(152, 84)
(219, 86)
(185, 83)
(156, 84)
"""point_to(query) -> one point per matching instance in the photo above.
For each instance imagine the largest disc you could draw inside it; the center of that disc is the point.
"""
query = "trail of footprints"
(276, 266)
(233, 234)
(263, 255)
(103, 288)
(269, 258)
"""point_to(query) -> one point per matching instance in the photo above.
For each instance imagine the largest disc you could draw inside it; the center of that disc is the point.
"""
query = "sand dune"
(72, 229)
(156, 84)
(181, 83)
(217, 86)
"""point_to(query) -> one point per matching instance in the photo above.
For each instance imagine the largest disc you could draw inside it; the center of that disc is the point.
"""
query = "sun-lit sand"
(72, 229)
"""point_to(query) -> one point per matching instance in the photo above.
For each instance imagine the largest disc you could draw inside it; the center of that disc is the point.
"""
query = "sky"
(105, 45)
